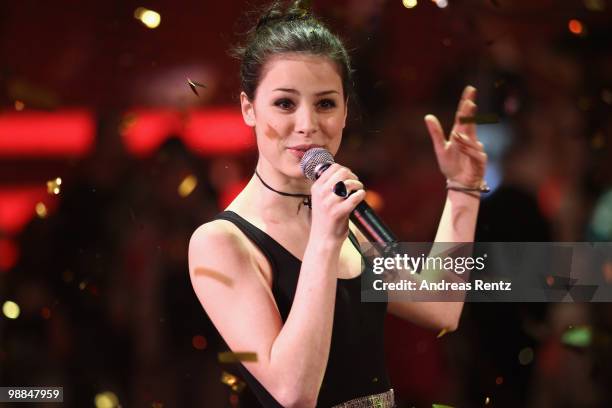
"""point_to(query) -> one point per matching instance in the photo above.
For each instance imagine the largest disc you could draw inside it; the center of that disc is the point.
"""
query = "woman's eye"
(285, 104)
(327, 104)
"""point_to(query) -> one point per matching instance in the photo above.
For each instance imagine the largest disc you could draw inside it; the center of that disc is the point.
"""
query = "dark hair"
(289, 29)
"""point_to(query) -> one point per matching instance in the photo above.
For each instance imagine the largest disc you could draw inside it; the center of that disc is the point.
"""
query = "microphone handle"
(364, 217)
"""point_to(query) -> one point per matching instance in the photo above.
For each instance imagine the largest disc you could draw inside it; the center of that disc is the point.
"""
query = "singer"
(278, 272)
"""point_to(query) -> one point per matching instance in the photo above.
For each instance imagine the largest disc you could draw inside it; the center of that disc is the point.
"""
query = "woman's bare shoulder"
(216, 238)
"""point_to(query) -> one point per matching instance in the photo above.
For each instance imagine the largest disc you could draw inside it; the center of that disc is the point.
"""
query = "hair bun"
(299, 9)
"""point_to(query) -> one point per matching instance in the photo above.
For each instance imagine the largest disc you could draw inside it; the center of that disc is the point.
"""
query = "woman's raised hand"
(461, 157)
(330, 212)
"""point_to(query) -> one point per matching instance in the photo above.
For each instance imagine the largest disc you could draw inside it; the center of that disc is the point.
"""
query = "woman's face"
(299, 104)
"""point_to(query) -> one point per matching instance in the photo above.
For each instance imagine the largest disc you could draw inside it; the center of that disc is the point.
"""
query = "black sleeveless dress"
(356, 365)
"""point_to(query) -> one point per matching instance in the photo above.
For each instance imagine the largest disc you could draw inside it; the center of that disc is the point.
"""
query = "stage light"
(10, 309)
(409, 3)
(148, 17)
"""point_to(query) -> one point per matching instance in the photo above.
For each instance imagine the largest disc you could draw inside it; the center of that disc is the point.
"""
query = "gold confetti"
(228, 379)
(41, 210)
(53, 186)
(442, 333)
(231, 357)
(19, 106)
(82, 285)
(482, 119)
(187, 186)
(194, 84)
(232, 381)
(214, 275)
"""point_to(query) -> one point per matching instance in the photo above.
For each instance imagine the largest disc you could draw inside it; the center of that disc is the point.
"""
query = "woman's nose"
(306, 121)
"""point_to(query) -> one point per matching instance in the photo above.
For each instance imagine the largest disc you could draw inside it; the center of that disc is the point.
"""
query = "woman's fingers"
(467, 141)
(475, 153)
(467, 108)
(435, 131)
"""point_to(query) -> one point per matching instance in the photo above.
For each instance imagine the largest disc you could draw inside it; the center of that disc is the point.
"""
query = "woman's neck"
(269, 204)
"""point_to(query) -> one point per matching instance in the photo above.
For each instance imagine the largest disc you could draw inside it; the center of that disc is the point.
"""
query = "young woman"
(278, 271)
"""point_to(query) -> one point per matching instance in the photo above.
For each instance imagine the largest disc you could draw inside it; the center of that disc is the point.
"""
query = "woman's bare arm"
(291, 358)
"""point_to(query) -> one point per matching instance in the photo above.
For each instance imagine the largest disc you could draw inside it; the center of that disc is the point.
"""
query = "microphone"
(314, 162)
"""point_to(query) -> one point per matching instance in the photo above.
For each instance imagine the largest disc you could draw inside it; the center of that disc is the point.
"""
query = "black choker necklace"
(307, 197)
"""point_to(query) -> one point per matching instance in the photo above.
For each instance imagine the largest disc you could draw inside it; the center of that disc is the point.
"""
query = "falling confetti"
(487, 401)
(482, 119)
(187, 186)
(580, 336)
(231, 357)
(232, 381)
(442, 333)
(409, 3)
(41, 210)
(214, 275)
(194, 84)
(19, 106)
(82, 285)
(53, 186)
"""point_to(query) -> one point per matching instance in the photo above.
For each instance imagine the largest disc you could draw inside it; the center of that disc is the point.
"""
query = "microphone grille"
(312, 159)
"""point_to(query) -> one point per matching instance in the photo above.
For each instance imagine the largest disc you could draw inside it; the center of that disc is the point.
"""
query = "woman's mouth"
(297, 152)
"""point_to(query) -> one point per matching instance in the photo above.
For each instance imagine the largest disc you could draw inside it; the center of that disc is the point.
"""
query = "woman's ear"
(248, 110)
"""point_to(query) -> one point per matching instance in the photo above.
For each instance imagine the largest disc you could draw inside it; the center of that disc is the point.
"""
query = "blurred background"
(110, 158)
